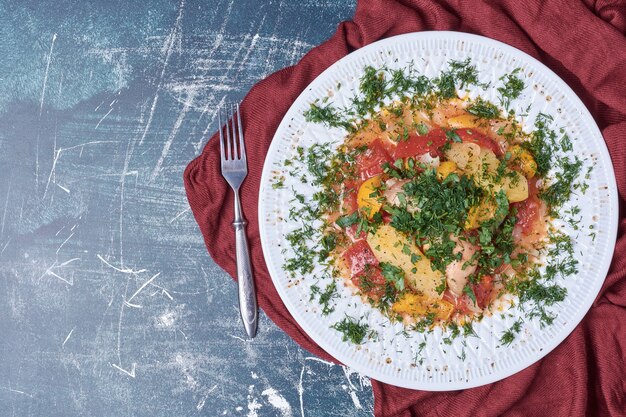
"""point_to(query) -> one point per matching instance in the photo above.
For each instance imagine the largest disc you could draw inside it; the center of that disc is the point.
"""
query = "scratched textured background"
(109, 303)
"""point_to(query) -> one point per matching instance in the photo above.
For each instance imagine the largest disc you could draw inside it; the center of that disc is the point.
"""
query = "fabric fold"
(584, 42)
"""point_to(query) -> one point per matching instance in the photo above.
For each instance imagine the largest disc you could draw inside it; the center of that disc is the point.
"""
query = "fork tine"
(236, 148)
(229, 142)
(242, 144)
(233, 128)
(219, 123)
(233, 132)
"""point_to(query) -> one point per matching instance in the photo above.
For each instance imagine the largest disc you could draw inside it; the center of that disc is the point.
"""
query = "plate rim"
(478, 380)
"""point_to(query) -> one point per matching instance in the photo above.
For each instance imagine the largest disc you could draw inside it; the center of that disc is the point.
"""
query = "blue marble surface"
(109, 303)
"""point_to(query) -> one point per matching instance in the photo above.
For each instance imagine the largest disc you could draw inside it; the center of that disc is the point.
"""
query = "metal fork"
(234, 171)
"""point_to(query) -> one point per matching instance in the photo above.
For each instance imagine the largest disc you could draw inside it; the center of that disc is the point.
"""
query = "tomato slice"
(528, 211)
(351, 231)
(371, 282)
(349, 204)
(417, 145)
(359, 257)
(386, 217)
(483, 291)
(473, 136)
(369, 163)
(527, 215)
(461, 304)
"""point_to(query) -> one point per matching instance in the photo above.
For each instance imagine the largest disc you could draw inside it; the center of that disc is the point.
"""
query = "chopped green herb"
(467, 290)
(393, 274)
(422, 129)
(353, 330)
(512, 88)
(453, 136)
(325, 297)
(347, 220)
(484, 109)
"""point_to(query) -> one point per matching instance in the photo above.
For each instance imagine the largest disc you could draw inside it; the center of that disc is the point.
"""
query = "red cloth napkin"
(584, 42)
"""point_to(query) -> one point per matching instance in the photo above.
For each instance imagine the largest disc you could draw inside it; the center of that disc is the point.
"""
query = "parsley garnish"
(393, 274)
(469, 292)
(422, 129)
(453, 136)
(347, 220)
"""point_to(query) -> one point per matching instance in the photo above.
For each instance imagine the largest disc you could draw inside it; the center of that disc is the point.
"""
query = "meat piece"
(457, 272)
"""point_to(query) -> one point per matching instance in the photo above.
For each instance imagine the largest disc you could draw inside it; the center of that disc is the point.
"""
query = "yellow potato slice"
(388, 244)
(480, 213)
(448, 110)
(484, 169)
(411, 304)
(486, 164)
(442, 309)
(462, 153)
(516, 187)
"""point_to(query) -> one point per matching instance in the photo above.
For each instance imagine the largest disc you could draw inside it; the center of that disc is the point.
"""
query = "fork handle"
(245, 283)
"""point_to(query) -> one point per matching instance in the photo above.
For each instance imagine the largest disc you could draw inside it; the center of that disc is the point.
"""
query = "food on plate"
(437, 205)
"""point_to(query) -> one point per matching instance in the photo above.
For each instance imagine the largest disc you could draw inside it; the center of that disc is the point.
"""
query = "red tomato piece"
(386, 217)
(371, 282)
(461, 304)
(369, 163)
(528, 211)
(351, 185)
(417, 145)
(527, 215)
(349, 204)
(351, 231)
(473, 136)
(483, 291)
(358, 257)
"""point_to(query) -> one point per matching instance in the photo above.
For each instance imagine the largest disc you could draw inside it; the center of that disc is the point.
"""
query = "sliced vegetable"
(485, 169)
(417, 145)
(480, 213)
(358, 257)
(370, 163)
(388, 245)
(523, 160)
(445, 168)
(474, 136)
(368, 197)
(414, 305)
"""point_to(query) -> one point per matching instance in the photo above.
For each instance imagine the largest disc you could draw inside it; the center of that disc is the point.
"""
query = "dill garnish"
(512, 88)
(325, 296)
(484, 109)
(373, 87)
(560, 190)
(353, 330)
(541, 144)
(509, 336)
(535, 296)
(326, 114)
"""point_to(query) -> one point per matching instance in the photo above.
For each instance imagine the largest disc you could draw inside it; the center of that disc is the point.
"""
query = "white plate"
(391, 358)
